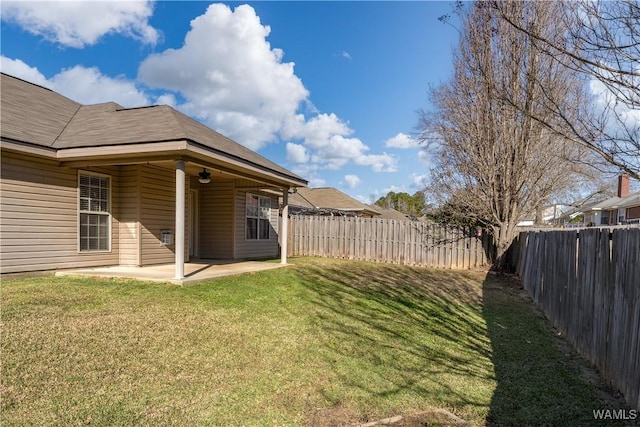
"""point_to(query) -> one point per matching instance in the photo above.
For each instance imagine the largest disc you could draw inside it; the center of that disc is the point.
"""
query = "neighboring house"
(327, 201)
(390, 213)
(548, 215)
(98, 185)
(621, 209)
(613, 211)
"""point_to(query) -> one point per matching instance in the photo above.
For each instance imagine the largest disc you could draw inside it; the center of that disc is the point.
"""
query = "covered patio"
(196, 271)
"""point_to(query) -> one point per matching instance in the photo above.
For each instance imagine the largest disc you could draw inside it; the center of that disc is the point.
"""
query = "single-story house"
(327, 201)
(624, 208)
(100, 185)
(613, 211)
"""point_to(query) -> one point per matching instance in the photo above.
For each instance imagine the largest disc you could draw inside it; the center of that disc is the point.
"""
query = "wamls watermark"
(615, 414)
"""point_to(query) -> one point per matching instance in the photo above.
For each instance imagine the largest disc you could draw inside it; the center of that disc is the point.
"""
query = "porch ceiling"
(166, 153)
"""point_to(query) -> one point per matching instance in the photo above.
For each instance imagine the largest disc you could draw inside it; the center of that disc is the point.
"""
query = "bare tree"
(494, 161)
(601, 40)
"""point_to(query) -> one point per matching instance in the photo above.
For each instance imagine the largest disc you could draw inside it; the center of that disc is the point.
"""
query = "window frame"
(103, 213)
(258, 217)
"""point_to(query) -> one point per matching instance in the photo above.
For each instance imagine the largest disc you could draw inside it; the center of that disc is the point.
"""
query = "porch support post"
(284, 226)
(180, 212)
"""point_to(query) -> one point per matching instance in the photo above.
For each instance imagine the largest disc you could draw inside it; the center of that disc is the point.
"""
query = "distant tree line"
(412, 205)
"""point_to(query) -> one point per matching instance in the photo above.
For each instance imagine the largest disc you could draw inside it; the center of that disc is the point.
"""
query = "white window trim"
(108, 213)
(246, 206)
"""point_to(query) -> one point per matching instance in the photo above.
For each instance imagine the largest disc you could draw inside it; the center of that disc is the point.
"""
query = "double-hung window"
(95, 212)
(258, 214)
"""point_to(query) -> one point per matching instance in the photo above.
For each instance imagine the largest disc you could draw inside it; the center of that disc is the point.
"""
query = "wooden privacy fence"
(588, 284)
(385, 240)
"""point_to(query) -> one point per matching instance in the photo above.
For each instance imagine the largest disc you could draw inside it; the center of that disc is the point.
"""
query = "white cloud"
(306, 170)
(18, 68)
(424, 156)
(619, 113)
(90, 86)
(81, 23)
(326, 137)
(234, 81)
(352, 180)
(346, 55)
(402, 140)
(419, 181)
(84, 85)
(297, 153)
(317, 130)
(378, 162)
(227, 75)
(315, 181)
(167, 99)
(230, 76)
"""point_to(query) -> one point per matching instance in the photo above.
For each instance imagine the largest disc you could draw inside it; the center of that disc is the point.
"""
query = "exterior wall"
(592, 218)
(633, 212)
(129, 215)
(216, 219)
(39, 216)
(245, 249)
(157, 212)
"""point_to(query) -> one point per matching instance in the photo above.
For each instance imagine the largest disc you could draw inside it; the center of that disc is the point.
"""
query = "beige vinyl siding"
(39, 216)
(129, 215)
(243, 184)
(157, 213)
(244, 248)
(216, 219)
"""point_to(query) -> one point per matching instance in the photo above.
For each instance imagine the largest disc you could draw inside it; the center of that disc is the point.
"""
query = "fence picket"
(588, 284)
(384, 240)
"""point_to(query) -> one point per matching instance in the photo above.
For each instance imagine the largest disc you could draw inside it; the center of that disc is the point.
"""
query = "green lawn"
(320, 343)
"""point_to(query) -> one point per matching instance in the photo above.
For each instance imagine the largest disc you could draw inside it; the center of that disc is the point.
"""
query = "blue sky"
(329, 90)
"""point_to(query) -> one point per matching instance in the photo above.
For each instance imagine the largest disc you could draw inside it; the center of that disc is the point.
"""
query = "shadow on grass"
(397, 340)
(540, 378)
(400, 338)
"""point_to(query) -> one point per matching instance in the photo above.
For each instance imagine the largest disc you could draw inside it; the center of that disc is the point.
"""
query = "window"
(95, 217)
(258, 214)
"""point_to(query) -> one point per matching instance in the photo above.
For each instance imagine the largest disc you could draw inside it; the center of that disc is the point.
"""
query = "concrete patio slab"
(193, 271)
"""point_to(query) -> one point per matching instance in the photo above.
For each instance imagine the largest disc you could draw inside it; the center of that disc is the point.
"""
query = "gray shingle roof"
(32, 113)
(389, 213)
(614, 203)
(328, 198)
(40, 116)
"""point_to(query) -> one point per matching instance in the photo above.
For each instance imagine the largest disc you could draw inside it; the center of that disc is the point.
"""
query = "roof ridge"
(174, 116)
(55, 140)
(308, 201)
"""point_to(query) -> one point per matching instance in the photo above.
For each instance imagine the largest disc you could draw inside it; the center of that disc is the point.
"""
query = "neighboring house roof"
(328, 198)
(40, 117)
(390, 213)
(613, 203)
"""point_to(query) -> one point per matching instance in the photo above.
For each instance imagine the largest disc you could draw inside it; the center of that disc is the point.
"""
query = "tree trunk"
(539, 219)
(503, 236)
